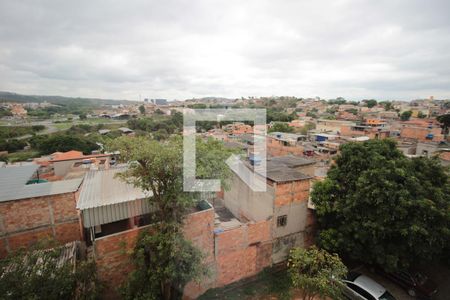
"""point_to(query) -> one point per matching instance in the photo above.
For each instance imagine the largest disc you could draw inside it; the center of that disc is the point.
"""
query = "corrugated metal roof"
(102, 187)
(48, 188)
(104, 198)
(13, 184)
(13, 179)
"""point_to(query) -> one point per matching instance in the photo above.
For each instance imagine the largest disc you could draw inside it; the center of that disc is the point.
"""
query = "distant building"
(126, 131)
(18, 111)
(159, 101)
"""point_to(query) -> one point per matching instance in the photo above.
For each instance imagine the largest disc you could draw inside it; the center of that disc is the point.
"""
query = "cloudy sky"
(182, 49)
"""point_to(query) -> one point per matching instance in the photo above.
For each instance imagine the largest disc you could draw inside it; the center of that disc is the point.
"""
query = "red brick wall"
(199, 228)
(295, 191)
(231, 255)
(276, 148)
(112, 252)
(113, 259)
(420, 133)
(242, 252)
(26, 221)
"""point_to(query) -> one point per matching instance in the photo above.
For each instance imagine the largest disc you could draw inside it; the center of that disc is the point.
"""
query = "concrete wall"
(426, 149)
(61, 168)
(242, 201)
(24, 222)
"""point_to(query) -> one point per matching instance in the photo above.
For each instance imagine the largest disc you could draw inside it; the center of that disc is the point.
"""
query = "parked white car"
(361, 287)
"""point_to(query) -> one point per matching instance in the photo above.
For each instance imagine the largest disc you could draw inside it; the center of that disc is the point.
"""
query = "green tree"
(421, 115)
(387, 105)
(5, 112)
(164, 261)
(406, 115)
(308, 126)
(12, 145)
(371, 103)
(37, 128)
(352, 111)
(445, 122)
(317, 273)
(382, 208)
(311, 114)
(142, 109)
(281, 127)
(40, 275)
(277, 115)
(82, 116)
(47, 144)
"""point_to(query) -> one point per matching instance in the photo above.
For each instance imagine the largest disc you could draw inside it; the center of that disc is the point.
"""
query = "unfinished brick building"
(283, 205)
(31, 211)
(243, 229)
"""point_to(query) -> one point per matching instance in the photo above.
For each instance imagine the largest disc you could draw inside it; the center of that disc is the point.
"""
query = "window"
(282, 221)
(360, 291)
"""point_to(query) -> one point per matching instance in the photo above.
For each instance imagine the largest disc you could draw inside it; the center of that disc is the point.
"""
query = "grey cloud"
(182, 49)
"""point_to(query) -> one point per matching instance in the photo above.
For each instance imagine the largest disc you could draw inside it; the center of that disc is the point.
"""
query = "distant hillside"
(13, 97)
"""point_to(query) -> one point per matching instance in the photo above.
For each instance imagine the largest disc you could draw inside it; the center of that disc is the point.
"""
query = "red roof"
(75, 155)
(72, 154)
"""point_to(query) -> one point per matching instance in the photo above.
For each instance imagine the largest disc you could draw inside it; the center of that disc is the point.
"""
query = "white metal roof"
(13, 184)
(103, 187)
(104, 198)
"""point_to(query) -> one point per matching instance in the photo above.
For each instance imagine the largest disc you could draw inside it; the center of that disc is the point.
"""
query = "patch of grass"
(22, 156)
(269, 283)
(100, 121)
(63, 126)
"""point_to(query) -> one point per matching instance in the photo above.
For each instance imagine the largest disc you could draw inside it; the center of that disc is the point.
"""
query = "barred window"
(282, 221)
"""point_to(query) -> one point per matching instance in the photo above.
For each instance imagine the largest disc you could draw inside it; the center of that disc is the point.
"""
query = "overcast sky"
(231, 48)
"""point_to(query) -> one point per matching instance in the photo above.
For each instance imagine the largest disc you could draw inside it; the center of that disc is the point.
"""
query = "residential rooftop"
(14, 179)
(105, 198)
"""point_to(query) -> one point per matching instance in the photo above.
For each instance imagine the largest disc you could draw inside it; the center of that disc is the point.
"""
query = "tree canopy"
(47, 144)
(39, 274)
(316, 272)
(406, 115)
(371, 103)
(281, 127)
(164, 260)
(445, 122)
(382, 208)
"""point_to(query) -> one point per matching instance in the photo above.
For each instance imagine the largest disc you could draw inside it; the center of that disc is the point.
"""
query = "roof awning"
(115, 212)
(105, 198)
